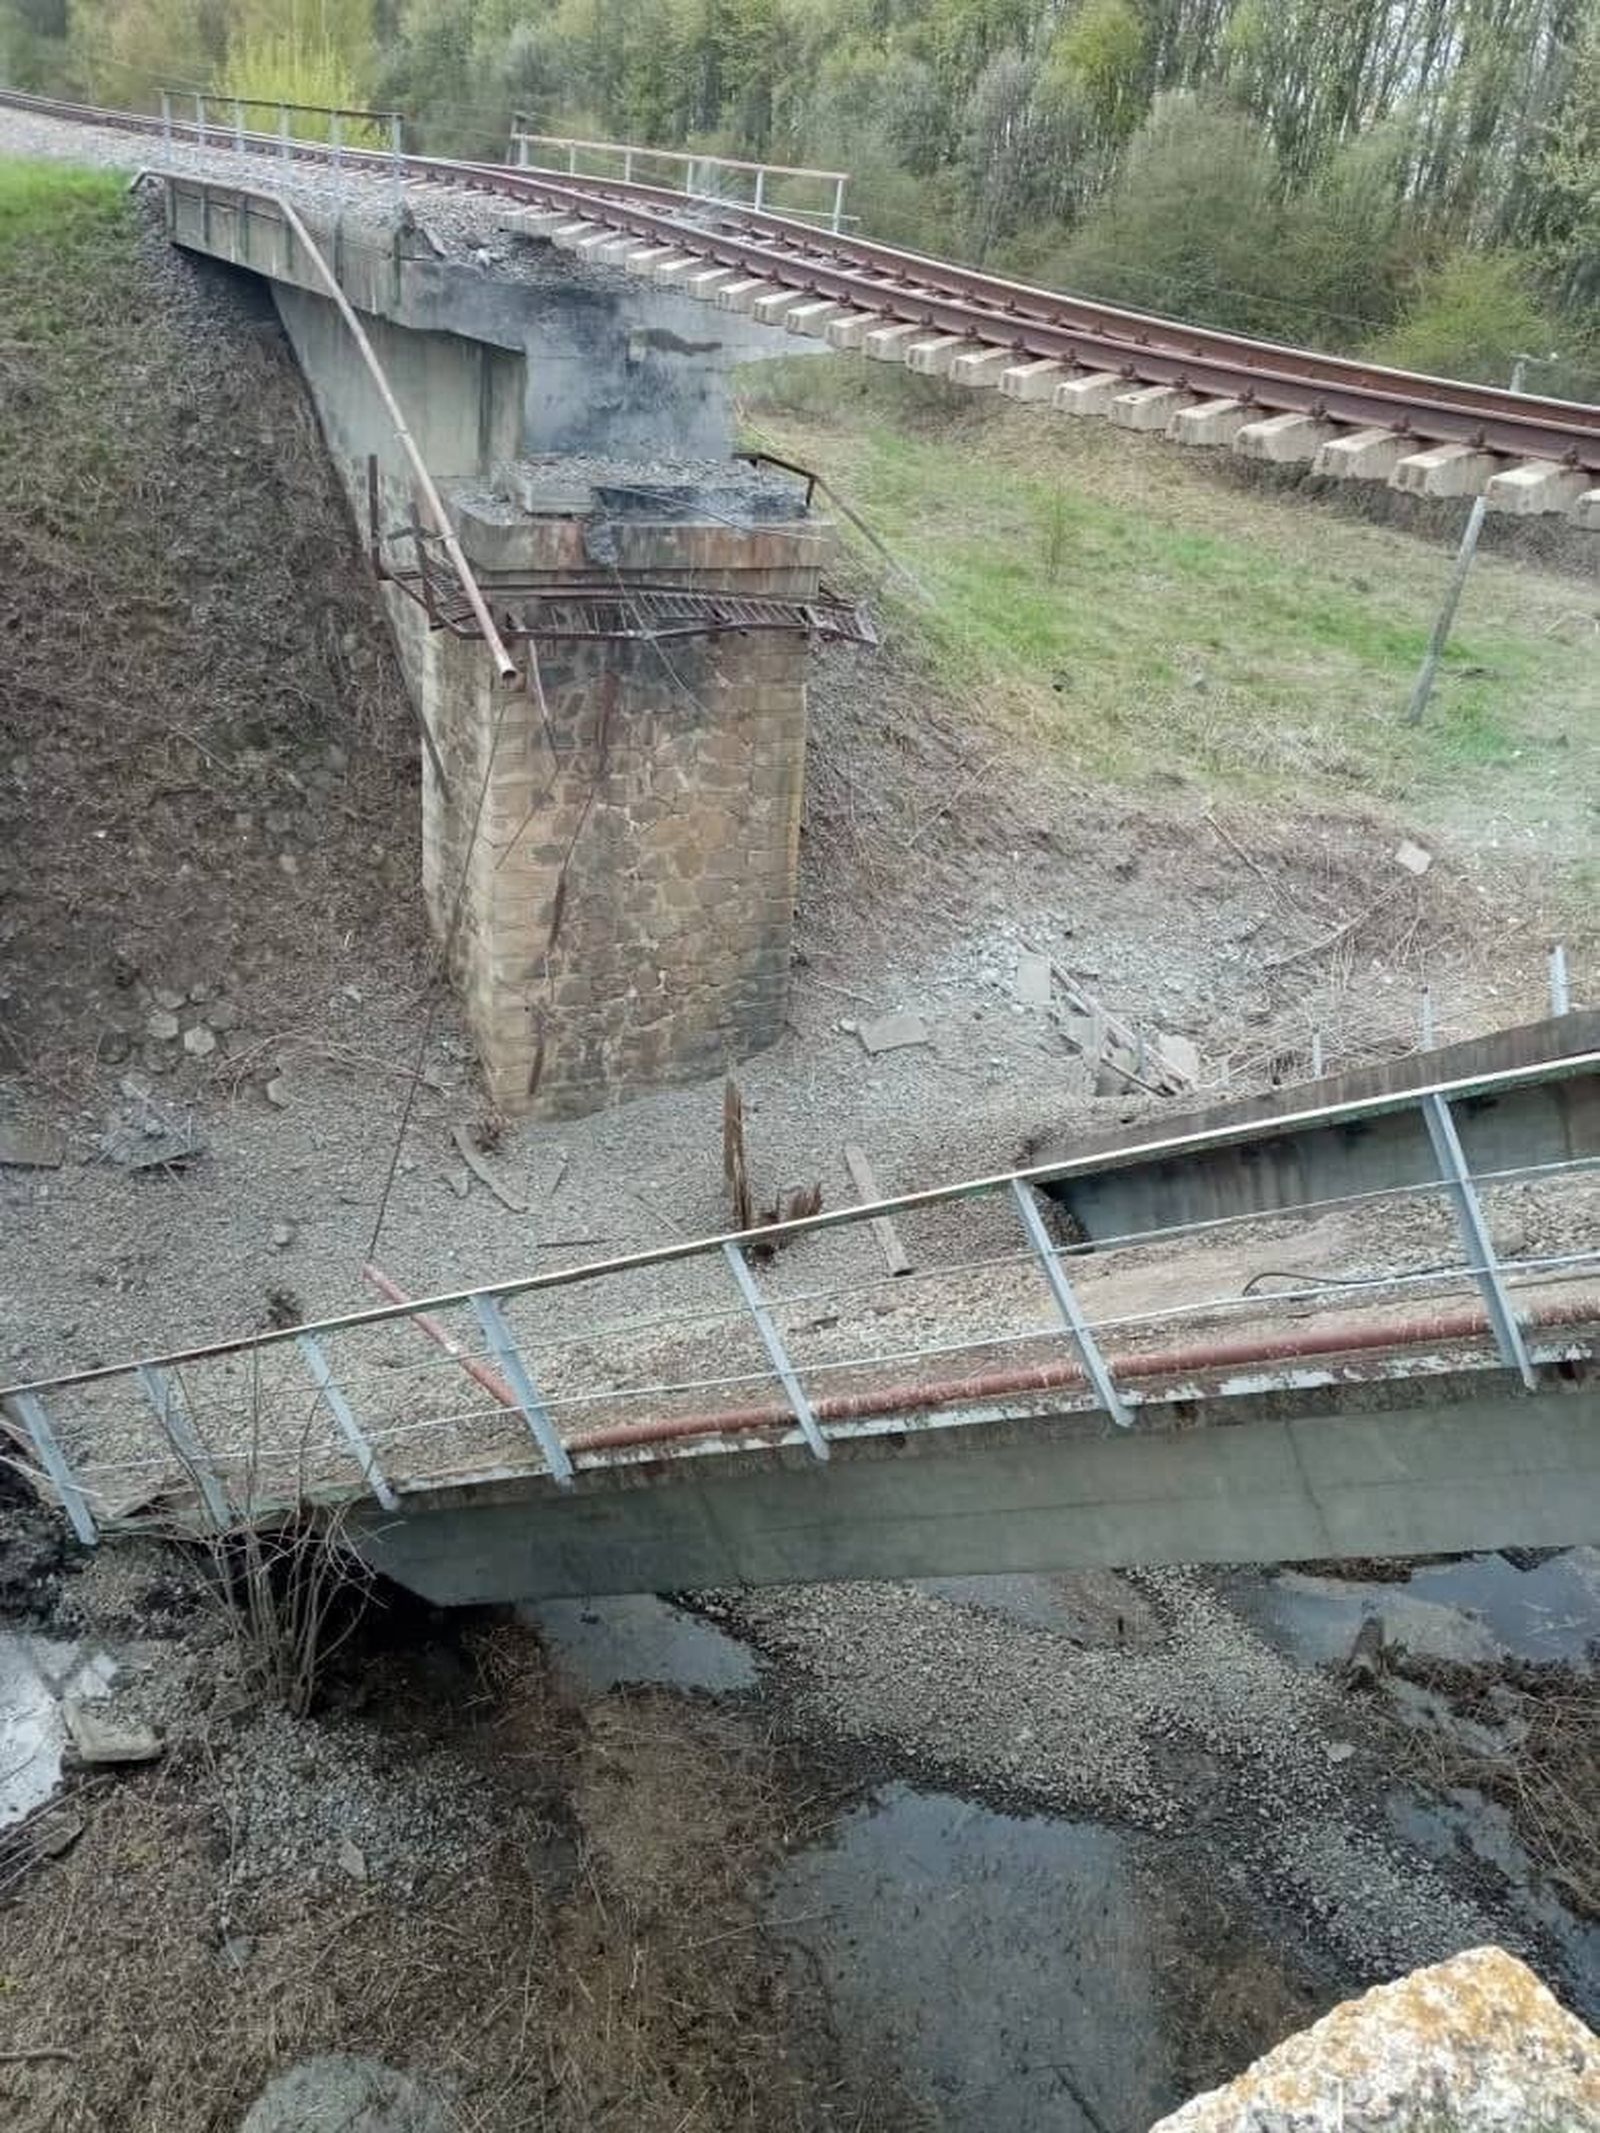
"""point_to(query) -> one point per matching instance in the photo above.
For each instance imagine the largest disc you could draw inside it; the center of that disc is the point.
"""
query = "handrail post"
(74, 1498)
(503, 1347)
(1482, 1263)
(777, 1353)
(1066, 1302)
(164, 1396)
(344, 1415)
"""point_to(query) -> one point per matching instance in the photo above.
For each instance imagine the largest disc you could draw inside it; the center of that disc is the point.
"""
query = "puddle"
(1464, 1821)
(603, 1643)
(1481, 1608)
(1090, 1607)
(35, 1673)
(998, 1968)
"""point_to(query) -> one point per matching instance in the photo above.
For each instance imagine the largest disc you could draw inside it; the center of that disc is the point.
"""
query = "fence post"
(166, 118)
(1560, 989)
(761, 186)
(838, 205)
(336, 134)
(572, 159)
(200, 120)
(238, 127)
(627, 166)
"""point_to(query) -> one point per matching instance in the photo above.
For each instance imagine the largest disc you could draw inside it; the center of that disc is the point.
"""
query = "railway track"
(1338, 416)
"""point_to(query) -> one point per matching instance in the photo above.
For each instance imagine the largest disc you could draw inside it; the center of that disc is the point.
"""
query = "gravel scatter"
(333, 1802)
(1207, 1733)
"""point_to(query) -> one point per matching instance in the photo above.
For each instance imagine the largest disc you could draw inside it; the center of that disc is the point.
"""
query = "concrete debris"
(481, 1170)
(199, 1042)
(277, 1093)
(30, 1148)
(101, 1741)
(283, 1235)
(352, 1859)
(460, 1181)
(340, 2094)
(146, 1136)
(1340, 1751)
(891, 1033)
(222, 1015)
(1033, 979)
(162, 1025)
(1476, 2043)
(1413, 857)
(169, 1002)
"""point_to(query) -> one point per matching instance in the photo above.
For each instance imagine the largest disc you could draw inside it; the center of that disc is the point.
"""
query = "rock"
(352, 1859)
(162, 1025)
(169, 1002)
(341, 2094)
(199, 1042)
(116, 1045)
(1339, 1751)
(222, 1014)
(100, 1740)
(283, 1234)
(1476, 2044)
(1413, 857)
(277, 1093)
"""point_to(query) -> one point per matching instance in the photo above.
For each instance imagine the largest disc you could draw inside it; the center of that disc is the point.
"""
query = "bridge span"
(1298, 1362)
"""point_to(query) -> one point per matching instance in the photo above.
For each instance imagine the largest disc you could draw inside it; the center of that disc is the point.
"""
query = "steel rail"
(1198, 1140)
(992, 311)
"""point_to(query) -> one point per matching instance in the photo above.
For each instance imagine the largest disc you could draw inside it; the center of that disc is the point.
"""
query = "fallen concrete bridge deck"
(1399, 1368)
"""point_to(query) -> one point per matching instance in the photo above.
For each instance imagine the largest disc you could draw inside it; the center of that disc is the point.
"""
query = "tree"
(1471, 317)
(1192, 221)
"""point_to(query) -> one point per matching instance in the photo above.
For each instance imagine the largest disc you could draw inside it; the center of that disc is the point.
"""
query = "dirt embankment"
(206, 748)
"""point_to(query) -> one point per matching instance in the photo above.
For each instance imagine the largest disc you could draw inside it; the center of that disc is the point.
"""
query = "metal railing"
(692, 1349)
(219, 120)
(705, 177)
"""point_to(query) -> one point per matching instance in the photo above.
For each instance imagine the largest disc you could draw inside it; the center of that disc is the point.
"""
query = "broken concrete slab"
(891, 1033)
(1415, 858)
(1033, 979)
(99, 1741)
(31, 1148)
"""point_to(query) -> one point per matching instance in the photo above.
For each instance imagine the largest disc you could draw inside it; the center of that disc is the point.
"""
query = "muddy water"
(1005, 1970)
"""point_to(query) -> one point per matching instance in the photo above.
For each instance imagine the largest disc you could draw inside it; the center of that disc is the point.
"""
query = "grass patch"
(1107, 598)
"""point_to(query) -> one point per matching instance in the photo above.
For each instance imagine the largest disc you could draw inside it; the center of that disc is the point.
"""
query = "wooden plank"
(895, 1256)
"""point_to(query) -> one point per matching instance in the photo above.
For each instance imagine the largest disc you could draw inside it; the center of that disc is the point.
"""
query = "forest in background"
(1416, 179)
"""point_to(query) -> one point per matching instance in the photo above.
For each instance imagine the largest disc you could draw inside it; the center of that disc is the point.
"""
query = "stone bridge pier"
(626, 898)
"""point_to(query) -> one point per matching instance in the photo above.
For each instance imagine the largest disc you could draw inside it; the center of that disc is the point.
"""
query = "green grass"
(1115, 602)
(67, 274)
